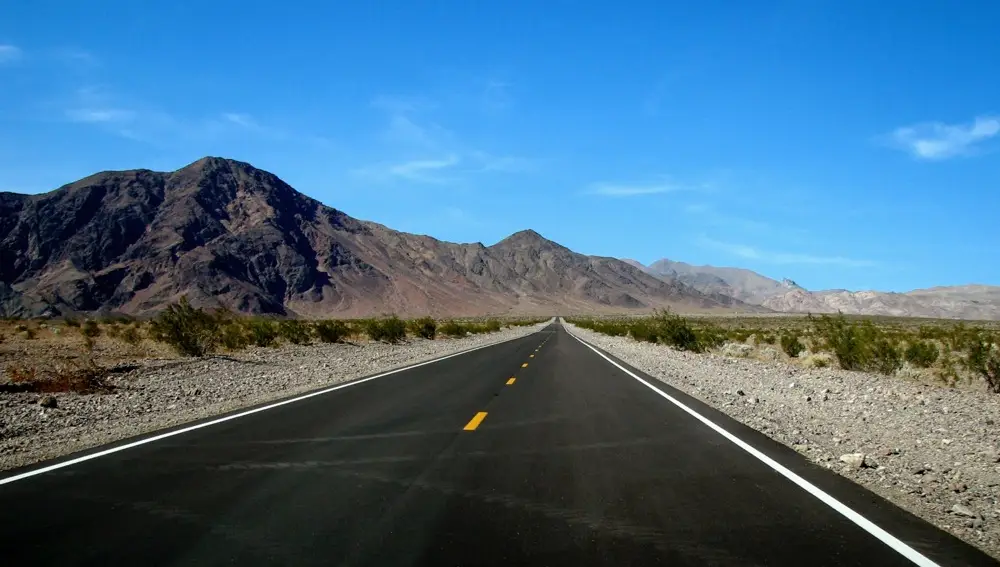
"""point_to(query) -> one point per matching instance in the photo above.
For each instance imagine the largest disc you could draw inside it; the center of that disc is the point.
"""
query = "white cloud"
(239, 119)
(9, 53)
(509, 164)
(625, 190)
(417, 170)
(409, 131)
(771, 257)
(100, 115)
(938, 141)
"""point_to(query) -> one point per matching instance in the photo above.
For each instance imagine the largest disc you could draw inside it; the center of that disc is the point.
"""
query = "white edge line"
(864, 523)
(154, 438)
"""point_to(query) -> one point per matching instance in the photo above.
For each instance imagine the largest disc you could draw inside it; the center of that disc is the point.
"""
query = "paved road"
(575, 463)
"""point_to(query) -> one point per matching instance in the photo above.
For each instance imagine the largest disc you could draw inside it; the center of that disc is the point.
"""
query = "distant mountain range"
(224, 233)
(958, 302)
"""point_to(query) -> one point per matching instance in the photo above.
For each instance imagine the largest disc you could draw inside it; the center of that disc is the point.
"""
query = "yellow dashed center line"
(531, 356)
(474, 423)
(511, 381)
(525, 365)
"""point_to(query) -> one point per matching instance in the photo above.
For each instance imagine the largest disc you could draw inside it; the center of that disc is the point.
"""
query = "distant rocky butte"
(954, 302)
(224, 233)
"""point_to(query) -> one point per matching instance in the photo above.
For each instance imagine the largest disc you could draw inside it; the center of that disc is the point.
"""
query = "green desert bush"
(390, 329)
(791, 344)
(921, 353)
(190, 331)
(452, 329)
(90, 329)
(424, 327)
(261, 332)
(131, 335)
(332, 331)
(859, 346)
(983, 359)
(295, 331)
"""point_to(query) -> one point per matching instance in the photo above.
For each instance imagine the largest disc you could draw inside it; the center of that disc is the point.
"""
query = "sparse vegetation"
(453, 329)
(791, 344)
(952, 352)
(390, 329)
(984, 360)
(91, 329)
(295, 331)
(86, 378)
(261, 332)
(332, 331)
(424, 327)
(191, 331)
(131, 335)
(921, 353)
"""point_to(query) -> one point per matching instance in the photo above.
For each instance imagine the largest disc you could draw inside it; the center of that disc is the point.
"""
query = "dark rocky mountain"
(222, 232)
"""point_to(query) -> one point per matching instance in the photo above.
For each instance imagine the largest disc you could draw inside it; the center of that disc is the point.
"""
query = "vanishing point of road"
(536, 451)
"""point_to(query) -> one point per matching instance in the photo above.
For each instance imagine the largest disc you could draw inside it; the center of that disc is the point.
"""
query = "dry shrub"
(87, 378)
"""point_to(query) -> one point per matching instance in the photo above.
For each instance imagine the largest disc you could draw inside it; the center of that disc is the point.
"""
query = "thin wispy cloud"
(409, 131)
(240, 119)
(9, 53)
(626, 190)
(782, 258)
(437, 171)
(939, 141)
(100, 115)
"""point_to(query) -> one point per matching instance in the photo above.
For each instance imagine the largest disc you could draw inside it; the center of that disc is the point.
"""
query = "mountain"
(224, 233)
(954, 302)
(745, 285)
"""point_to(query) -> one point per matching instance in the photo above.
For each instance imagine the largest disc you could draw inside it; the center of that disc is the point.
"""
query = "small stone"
(791, 384)
(752, 400)
(946, 441)
(963, 510)
(740, 393)
(977, 523)
(853, 460)
(48, 401)
(959, 487)
(807, 398)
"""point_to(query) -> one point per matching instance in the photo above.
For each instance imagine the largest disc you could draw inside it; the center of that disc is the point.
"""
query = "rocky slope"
(746, 285)
(952, 302)
(955, 302)
(225, 233)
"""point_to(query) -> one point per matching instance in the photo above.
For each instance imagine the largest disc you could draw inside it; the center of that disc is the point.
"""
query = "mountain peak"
(526, 237)
(213, 163)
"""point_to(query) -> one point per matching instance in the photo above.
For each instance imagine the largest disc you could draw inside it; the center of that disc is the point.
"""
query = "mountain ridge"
(225, 233)
(967, 301)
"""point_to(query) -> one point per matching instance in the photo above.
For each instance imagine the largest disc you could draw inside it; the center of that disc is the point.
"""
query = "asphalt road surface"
(537, 451)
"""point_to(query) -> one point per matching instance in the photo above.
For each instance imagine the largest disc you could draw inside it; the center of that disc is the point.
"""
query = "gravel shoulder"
(932, 450)
(158, 393)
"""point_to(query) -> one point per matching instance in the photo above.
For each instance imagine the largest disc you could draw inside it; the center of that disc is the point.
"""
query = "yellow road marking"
(525, 365)
(531, 356)
(472, 425)
(511, 381)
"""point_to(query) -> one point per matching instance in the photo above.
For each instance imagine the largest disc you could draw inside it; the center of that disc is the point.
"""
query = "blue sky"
(844, 144)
